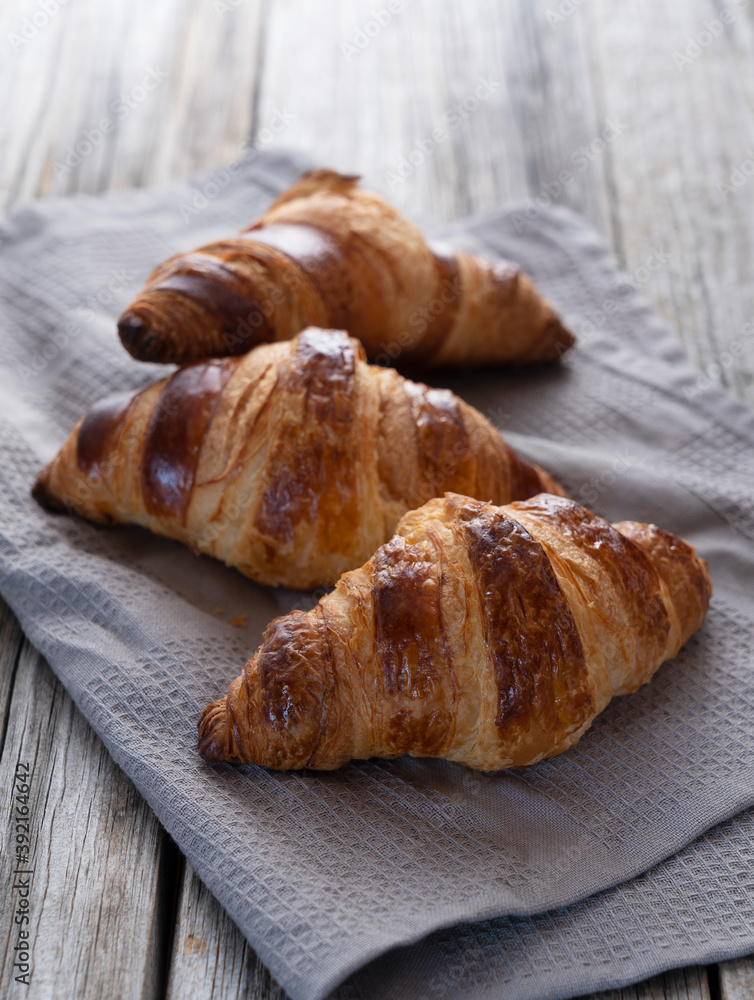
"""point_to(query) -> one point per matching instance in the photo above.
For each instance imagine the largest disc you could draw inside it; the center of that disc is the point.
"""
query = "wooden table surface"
(649, 106)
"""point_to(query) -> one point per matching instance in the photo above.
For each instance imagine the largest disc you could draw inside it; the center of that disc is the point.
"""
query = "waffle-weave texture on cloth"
(326, 872)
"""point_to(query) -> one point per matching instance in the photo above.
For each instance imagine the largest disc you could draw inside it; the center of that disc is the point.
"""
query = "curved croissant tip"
(213, 733)
(44, 496)
(136, 336)
(561, 337)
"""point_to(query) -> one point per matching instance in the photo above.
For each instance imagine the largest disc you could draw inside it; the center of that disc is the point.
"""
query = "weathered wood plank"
(681, 174)
(100, 897)
(124, 93)
(679, 984)
(485, 74)
(210, 956)
(11, 640)
(737, 979)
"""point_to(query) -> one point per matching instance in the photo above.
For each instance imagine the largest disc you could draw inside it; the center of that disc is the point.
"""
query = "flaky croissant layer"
(330, 254)
(491, 636)
(292, 463)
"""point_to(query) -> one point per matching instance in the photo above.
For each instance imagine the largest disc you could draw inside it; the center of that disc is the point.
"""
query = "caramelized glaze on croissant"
(332, 255)
(487, 635)
(292, 463)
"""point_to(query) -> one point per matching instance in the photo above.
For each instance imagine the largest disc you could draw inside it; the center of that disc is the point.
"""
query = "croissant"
(292, 463)
(329, 254)
(491, 636)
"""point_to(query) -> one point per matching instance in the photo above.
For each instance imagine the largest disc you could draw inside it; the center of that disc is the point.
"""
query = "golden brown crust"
(292, 463)
(99, 431)
(630, 624)
(477, 633)
(174, 436)
(533, 645)
(412, 656)
(684, 578)
(329, 254)
(319, 483)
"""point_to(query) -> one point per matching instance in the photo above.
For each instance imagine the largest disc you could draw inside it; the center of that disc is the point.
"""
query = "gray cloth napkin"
(324, 872)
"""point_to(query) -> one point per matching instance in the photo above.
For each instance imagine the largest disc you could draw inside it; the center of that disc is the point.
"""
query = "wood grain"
(175, 80)
(176, 83)
(11, 641)
(679, 984)
(210, 956)
(689, 128)
(737, 979)
(101, 893)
